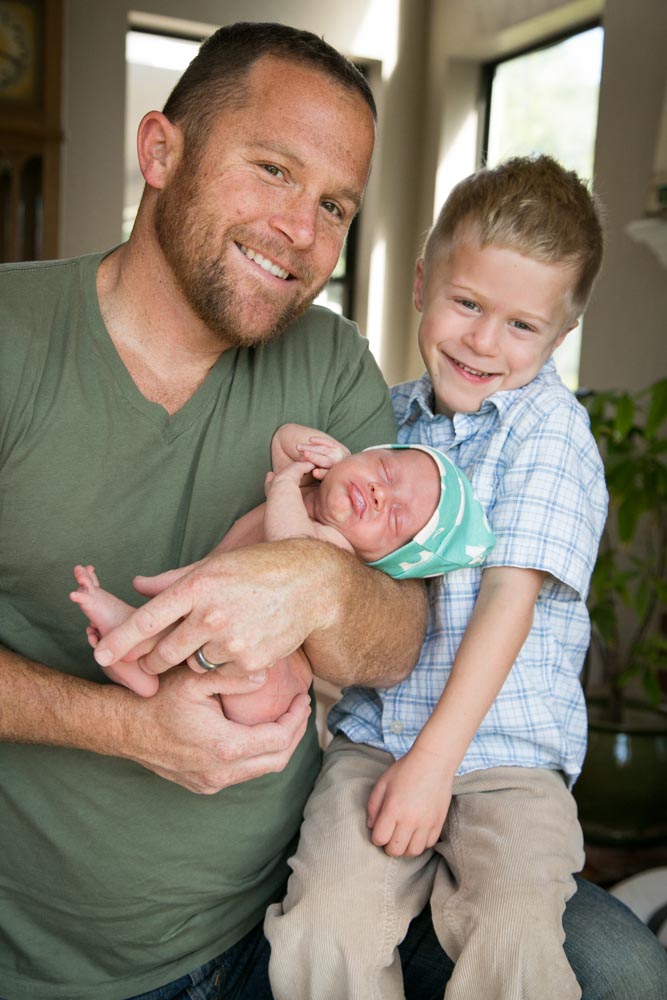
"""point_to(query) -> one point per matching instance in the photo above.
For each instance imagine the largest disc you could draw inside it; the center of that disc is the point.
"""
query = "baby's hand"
(294, 474)
(323, 452)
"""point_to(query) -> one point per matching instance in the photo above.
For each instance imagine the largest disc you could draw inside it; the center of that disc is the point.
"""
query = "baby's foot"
(104, 611)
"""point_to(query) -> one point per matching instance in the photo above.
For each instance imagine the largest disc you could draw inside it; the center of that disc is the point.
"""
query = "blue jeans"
(613, 955)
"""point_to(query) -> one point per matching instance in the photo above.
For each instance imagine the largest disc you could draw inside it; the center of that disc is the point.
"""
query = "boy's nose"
(484, 335)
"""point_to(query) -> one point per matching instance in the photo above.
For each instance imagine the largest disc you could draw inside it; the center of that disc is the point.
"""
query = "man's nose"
(297, 221)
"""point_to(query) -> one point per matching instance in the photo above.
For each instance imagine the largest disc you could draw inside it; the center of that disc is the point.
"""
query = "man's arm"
(257, 604)
(180, 733)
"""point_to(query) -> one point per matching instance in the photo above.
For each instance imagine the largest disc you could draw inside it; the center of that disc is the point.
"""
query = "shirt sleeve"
(551, 501)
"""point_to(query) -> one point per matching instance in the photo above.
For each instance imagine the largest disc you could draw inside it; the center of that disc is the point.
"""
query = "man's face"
(253, 229)
(491, 317)
(379, 499)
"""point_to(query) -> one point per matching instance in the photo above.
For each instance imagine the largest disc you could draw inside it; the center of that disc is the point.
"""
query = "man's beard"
(187, 239)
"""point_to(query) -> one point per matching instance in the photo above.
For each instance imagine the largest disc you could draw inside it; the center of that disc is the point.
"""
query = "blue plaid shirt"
(537, 472)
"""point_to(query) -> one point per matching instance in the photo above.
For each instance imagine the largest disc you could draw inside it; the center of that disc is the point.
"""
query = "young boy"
(404, 509)
(461, 772)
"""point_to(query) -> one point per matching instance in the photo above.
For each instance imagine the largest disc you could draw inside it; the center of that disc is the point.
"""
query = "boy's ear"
(418, 286)
(159, 148)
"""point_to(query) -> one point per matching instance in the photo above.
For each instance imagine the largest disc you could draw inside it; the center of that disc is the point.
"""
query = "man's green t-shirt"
(113, 880)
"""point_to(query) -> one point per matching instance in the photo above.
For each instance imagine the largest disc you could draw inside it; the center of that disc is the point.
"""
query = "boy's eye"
(519, 324)
(467, 304)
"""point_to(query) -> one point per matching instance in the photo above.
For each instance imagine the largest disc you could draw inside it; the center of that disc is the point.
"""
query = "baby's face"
(379, 499)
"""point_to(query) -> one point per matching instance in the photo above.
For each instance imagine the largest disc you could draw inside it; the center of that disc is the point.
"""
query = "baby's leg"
(510, 845)
(286, 679)
(104, 612)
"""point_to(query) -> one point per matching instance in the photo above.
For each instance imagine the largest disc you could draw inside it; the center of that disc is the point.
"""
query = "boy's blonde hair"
(531, 205)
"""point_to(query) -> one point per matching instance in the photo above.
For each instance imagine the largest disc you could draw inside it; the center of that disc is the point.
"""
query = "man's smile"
(265, 263)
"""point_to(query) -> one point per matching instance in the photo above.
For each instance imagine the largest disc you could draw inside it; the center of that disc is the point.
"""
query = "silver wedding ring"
(203, 662)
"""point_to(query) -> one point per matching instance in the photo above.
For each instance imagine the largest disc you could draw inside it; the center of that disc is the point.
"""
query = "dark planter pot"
(622, 791)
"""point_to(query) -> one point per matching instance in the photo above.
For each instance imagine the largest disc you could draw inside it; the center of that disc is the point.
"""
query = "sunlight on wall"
(458, 159)
(377, 36)
(376, 298)
(159, 51)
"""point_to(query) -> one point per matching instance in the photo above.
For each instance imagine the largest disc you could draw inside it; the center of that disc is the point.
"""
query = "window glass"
(546, 101)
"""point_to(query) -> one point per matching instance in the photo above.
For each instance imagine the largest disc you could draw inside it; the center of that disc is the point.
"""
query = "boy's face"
(379, 499)
(490, 319)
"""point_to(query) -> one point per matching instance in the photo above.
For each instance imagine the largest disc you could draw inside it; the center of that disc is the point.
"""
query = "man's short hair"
(531, 205)
(216, 78)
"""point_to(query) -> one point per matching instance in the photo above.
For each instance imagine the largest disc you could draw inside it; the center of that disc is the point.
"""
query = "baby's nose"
(378, 495)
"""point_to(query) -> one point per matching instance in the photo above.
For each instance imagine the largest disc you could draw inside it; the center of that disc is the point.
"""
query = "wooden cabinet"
(30, 128)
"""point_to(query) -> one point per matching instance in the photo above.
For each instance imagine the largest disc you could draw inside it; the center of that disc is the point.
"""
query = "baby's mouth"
(358, 500)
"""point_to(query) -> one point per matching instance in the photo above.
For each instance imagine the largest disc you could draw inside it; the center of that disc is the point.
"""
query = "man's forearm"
(376, 628)
(41, 705)
(257, 604)
(180, 733)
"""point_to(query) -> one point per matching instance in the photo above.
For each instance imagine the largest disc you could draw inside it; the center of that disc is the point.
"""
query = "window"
(154, 64)
(545, 101)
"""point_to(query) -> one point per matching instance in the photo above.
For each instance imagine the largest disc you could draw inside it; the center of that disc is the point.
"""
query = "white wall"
(625, 337)
(426, 57)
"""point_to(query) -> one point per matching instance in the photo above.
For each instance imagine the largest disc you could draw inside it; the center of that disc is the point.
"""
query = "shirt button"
(396, 727)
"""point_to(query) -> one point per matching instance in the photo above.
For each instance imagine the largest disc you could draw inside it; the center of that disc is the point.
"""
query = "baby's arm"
(285, 515)
(408, 806)
(298, 443)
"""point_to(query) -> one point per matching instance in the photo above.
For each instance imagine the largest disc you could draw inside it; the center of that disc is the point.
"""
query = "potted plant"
(622, 792)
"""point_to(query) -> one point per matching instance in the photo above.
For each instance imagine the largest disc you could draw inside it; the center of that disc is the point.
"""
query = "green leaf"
(625, 414)
(658, 408)
(651, 686)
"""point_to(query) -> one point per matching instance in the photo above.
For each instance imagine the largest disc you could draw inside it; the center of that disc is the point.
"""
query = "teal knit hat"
(456, 536)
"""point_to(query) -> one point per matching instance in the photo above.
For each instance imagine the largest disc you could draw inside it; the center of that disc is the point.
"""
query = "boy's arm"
(409, 804)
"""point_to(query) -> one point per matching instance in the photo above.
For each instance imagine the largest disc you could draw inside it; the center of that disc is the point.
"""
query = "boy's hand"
(409, 804)
(323, 452)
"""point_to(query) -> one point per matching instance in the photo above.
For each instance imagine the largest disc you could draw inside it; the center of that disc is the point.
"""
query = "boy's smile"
(491, 317)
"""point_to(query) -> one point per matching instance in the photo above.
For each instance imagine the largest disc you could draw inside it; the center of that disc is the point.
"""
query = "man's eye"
(333, 209)
(272, 169)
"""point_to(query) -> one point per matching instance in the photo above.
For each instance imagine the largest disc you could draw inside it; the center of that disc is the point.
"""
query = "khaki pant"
(498, 881)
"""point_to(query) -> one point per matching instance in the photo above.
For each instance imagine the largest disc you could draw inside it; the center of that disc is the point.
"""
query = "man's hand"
(182, 734)
(408, 807)
(250, 607)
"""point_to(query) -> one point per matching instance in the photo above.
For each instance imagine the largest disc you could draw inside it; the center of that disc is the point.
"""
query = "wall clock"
(20, 40)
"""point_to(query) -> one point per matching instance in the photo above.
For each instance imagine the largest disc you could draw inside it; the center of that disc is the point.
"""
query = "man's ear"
(159, 148)
(418, 286)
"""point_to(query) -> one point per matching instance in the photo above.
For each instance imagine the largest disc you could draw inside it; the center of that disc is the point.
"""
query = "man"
(138, 394)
